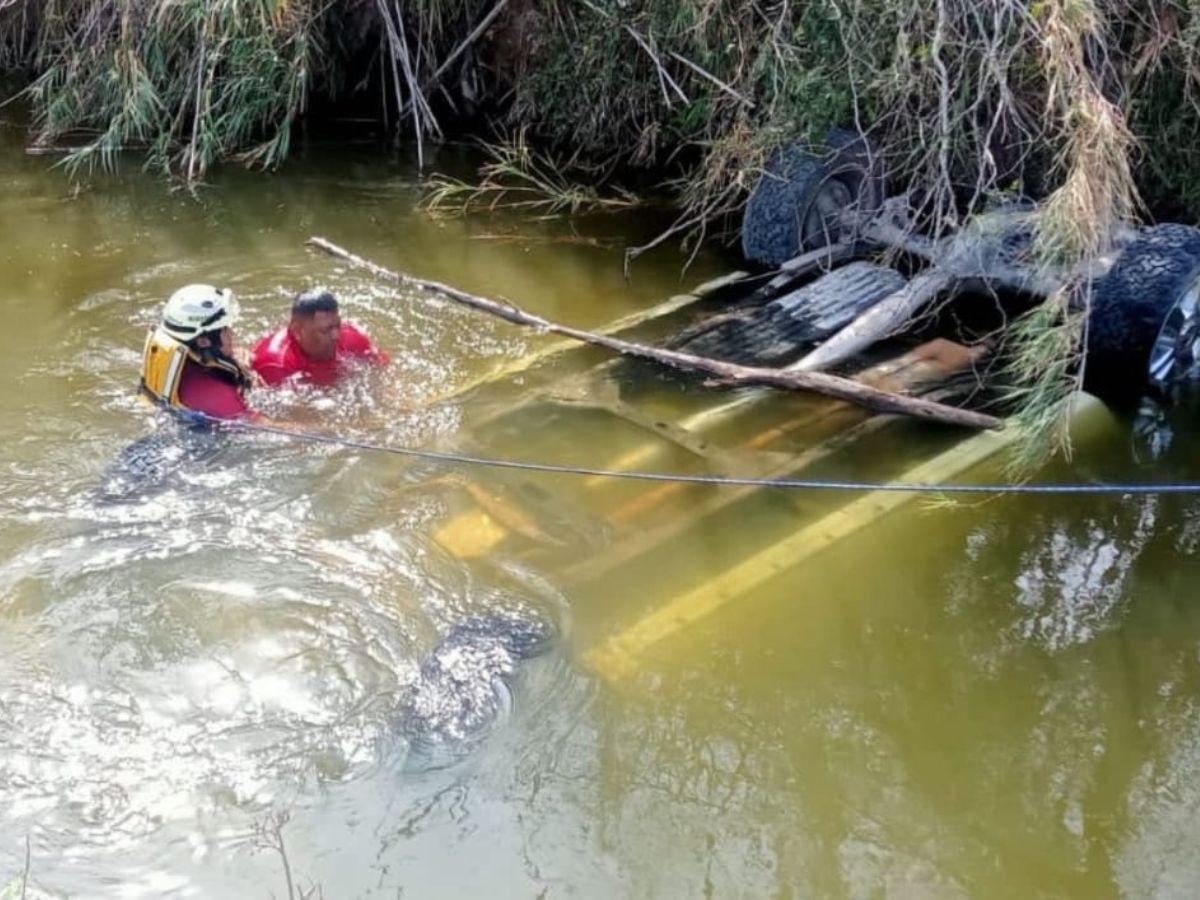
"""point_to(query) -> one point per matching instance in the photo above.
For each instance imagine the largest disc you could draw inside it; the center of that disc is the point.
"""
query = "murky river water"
(989, 699)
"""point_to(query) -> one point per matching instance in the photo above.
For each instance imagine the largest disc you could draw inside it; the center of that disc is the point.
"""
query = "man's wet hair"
(309, 303)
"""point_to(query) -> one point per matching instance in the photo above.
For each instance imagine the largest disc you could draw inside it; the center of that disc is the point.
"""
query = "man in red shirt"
(316, 346)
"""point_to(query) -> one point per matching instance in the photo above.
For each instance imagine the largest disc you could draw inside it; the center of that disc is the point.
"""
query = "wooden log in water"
(882, 320)
(728, 373)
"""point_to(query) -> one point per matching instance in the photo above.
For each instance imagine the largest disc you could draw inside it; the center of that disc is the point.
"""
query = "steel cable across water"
(811, 484)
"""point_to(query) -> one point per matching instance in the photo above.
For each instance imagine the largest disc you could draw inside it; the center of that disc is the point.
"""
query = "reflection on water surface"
(990, 698)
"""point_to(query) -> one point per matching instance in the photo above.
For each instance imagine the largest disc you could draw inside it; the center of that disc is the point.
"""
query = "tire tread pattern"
(1130, 302)
(771, 224)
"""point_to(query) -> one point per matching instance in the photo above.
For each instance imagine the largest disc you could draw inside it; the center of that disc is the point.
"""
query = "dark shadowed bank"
(1087, 106)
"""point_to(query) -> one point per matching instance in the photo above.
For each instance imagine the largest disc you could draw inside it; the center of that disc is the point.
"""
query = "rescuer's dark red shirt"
(209, 393)
(278, 357)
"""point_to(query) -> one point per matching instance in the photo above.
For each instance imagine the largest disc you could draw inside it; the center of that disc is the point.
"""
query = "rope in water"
(1138, 488)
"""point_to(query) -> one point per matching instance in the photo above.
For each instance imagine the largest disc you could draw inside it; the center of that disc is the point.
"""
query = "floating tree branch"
(729, 373)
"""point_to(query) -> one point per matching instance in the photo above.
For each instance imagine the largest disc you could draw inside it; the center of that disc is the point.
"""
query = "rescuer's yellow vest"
(163, 360)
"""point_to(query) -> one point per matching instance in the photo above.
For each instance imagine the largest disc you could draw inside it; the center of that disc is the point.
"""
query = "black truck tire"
(1129, 305)
(791, 207)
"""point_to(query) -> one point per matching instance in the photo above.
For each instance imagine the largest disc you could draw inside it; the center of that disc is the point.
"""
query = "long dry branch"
(729, 373)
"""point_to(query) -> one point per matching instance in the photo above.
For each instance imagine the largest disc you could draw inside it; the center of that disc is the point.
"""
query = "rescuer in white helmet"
(188, 359)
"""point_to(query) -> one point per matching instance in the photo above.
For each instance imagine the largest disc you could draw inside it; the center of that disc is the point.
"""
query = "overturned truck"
(851, 285)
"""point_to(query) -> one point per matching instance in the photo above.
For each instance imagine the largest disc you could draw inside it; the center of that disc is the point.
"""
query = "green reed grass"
(189, 81)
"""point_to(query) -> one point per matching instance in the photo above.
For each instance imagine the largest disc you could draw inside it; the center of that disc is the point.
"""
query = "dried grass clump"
(1076, 222)
(1095, 145)
(194, 82)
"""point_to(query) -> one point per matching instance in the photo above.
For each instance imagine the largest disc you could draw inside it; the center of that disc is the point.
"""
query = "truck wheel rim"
(1177, 347)
(820, 225)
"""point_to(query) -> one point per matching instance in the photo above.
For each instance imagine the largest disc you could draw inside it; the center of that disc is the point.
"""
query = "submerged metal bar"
(639, 543)
(935, 359)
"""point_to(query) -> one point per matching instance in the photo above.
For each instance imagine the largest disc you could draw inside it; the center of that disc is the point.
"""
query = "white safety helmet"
(199, 309)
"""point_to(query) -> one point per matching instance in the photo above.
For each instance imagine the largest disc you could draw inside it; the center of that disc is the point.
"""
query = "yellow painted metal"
(471, 534)
(617, 657)
(477, 532)
(638, 542)
(934, 361)
(480, 529)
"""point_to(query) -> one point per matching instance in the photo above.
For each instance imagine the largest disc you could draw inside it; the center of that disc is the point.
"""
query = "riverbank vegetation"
(964, 99)
(1082, 105)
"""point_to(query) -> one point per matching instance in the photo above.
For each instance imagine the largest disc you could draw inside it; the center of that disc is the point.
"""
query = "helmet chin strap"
(213, 357)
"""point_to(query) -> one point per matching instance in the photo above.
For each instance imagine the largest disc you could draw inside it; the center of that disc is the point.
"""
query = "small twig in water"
(268, 834)
(25, 871)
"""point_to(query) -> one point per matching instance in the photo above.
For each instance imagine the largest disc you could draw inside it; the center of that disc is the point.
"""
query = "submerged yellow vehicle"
(633, 543)
(853, 287)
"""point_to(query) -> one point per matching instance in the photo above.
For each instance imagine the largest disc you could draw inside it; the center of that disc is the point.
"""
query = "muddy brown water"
(989, 699)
